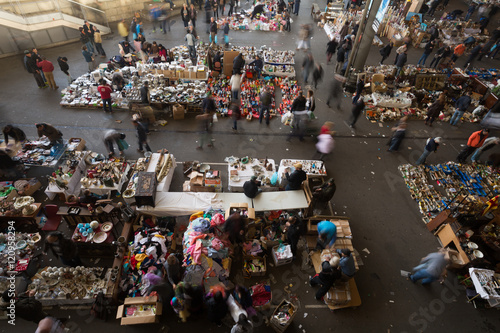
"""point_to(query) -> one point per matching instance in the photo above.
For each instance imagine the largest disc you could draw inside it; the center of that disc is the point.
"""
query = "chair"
(53, 220)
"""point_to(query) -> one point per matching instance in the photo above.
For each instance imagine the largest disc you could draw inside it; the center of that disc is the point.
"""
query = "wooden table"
(447, 236)
(23, 218)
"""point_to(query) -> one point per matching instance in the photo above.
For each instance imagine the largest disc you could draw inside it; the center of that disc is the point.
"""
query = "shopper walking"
(325, 144)
(307, 66)
(32, 68)
(331, 47)
(310, 101)
(431, 146)
(265, 105)
(86, 41)
(98, 42)
(336, 90)
(193, 14)
(173, 270)
(62, 248)
(226, 35)
(435, 109)
(213, 31)
(473, 54)
(204, 121)
(357, 109)
(399, 135)
(231, 7)
(191, 44)
(111, 137)
(105, 90)
(88, 58)
(296, 7)
(326, 278)
(470, 11)
(427, 51)
(164, 19)
(431, 268)
(235, 83)
(317, 74)
(155, 13)
(360, 85)
(142, 137)
(488, 144)
(476, 140)
(235, 113)
(48, 70)
(185, 16)
(461, 105)
(385, 52)
(123, 30)
(208, 14)
(133, 28)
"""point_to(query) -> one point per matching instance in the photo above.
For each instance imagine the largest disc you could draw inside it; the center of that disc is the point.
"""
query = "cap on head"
(438, 139)
(253, 178)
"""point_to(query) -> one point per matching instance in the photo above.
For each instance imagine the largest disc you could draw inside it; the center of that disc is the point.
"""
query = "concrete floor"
(370, 191)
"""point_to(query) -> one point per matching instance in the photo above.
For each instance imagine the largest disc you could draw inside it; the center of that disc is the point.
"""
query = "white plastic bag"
(215, 118)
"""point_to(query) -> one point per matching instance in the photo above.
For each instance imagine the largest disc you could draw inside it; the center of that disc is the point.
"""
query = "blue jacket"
(87, 55)
(330, 229)
(347, 264)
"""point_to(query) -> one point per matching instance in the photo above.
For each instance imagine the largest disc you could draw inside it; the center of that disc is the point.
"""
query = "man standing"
(213, 31)
(400, 62)
(251, 187)
(141, 136)
(265, 104)
(238, 64)
(442, 52)
(53, 134)
(335, 90)
(86, 40)
(296, 178)
(294, 230)
(427, 50)
(123, 30)
(461, 105)
(307, 66)
(191, 41)
(457, 52)
(385, 52)
(431, 145)
(475, 141)
(473, 54)
(88, 28)
(98, 42)
(48, 70)
(105, 90)
(431, 268)
(32, 68)
(296, 7)
(63, 64)
(155, 13)
(88, 58)
(340, 58)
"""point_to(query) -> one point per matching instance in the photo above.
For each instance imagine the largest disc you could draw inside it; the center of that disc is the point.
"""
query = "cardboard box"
(339, 295)
(30, 188)
(80, 143)
(147, 112)
(145, 319)
(201, 75)
(178, 111)
(240, 206)
(249, 258)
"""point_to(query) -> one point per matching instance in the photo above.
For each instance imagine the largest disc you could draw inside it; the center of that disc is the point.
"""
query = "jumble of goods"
(468, 181)
(40, 152)
(24, 205)
(262, 22)
(69, 282)
(106, 173)
(24, 250)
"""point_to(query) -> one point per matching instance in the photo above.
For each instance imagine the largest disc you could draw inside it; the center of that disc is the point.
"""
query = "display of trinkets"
(289, 91)
(106, 173)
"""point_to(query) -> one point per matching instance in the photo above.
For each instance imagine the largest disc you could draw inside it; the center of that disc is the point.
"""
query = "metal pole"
(361, 29)
(358, 59)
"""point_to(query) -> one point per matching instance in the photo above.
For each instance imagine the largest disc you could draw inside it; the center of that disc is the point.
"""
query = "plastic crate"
(280, 262)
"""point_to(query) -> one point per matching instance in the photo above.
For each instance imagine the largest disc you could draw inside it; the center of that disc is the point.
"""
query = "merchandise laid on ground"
(266, 18)
(389, 99)
(459, 204)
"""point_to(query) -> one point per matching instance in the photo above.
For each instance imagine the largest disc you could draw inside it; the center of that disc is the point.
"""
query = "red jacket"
(475, 139)
(46, 66)
(105, 91)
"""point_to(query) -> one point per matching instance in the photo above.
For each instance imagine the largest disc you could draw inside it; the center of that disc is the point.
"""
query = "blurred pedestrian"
(360, 85)
(204, 121)
(113, 136)
(86, 41)
(473, 54)
(427, 51)
(442, 52)
(155, 13)
(142, 136)
(164, 19)
(476, 140)
(123, 30)
(331, 46)
(265, 105)
(325, 145)
(307, 66)
(336, 90)
(457, 52)
(216, 308)
(431, 146)
(431, 268)
(235, 113)
(185, 15)
(295, 228)
(317, 74)
(62, 248)
(341, 57)
(470, 11)
(310, 101)
(398, 135)
(488, 144)
(208, 13)
(400, 62)
(385, 52)
(356, 111)
(296, 7)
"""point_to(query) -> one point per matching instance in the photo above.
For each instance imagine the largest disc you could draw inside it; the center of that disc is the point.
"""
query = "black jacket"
(386, 50)
(341, 55)
(250, 189)
(401, 61)
(16, 133)
(238, 64)
(63, 65)
(328, 274)
(141, 132)
(30, 63)
(299, 104)
(295, 179)
(331, 46)
(213, 27)
(208, 105)
(428, 48)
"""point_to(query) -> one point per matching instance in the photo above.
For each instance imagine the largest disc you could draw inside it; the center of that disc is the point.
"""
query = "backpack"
(100, 308)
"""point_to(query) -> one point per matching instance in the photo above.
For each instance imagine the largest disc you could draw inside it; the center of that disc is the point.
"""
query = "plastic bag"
(274, 178)
(215, 118)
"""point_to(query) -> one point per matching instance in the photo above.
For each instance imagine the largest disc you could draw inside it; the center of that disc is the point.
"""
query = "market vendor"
(296, 178)
(173, 270)
(326, 278)
(238, 64)
(118, 80)
(251, 187)
(235, 228)
(53, 134)
(327, 235)
(324, 192)
(62, 248)
(88, 198)
(294, 230)
(27, 306)
(347, 265)
(258, 65)
(14, 132)
(125, 48)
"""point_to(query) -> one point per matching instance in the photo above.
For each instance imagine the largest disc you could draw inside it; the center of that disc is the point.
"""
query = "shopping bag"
(215, 118)
(122, 144)
(215, 39)
(226, 39)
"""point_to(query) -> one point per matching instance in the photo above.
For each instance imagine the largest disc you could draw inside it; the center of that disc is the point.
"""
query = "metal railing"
(27, 9)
